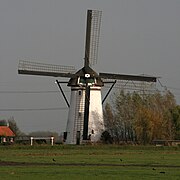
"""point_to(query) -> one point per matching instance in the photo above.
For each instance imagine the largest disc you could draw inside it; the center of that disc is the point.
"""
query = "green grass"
(91, 162)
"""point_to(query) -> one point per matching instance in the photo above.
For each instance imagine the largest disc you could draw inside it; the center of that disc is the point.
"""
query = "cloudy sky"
(137, 37)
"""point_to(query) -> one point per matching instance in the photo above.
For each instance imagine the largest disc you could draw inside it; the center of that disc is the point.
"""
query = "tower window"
(80, 114)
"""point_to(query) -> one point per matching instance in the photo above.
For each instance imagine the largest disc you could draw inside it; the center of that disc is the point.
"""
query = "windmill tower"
(85, 118)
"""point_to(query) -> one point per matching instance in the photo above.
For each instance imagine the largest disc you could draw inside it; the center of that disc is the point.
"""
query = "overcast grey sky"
(137, 37)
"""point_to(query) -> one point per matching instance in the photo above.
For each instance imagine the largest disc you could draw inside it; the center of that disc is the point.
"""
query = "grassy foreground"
(89, 162)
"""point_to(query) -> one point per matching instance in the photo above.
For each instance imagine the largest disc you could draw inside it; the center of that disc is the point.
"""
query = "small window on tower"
(79, 93)
(91, 81)
(82, 80)
(80, 114)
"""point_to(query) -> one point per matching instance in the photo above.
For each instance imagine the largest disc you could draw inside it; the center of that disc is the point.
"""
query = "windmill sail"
(34, 68)
(127, 77)
(92, 36)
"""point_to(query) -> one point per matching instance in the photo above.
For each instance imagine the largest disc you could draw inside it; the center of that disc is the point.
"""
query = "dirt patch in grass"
(11, 163)
(41, 154)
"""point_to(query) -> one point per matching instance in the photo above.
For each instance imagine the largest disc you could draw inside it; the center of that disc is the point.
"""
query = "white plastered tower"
(75, 123)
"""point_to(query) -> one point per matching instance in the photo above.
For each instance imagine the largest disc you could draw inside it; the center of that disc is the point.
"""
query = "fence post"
(52, 141)
(31, 141)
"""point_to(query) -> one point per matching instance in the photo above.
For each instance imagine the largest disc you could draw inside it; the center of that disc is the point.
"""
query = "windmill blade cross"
(41, 69)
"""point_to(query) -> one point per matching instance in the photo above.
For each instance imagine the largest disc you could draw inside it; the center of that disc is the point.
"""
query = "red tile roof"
(6, 131)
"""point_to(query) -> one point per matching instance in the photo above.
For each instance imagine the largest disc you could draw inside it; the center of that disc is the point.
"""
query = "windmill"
(85, 118)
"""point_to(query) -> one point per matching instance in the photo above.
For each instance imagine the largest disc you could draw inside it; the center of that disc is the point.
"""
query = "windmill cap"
(85, 72)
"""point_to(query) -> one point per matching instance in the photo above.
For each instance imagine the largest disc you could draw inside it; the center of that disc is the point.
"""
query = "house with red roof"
(6, 135)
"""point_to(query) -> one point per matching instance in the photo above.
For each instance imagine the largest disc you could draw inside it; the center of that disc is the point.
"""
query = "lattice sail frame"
(35, 68)
(94, 37)
(141, 87)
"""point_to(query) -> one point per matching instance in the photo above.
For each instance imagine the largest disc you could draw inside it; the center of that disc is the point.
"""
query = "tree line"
(141, 118)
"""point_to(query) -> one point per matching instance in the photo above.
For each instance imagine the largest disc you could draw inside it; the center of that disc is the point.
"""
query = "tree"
(3, 122)
(143, 118)
(106, 138)
(176, 120)
(13, 126)
(108, 118)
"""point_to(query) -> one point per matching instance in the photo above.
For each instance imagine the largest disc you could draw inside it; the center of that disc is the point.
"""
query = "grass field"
(89, 162)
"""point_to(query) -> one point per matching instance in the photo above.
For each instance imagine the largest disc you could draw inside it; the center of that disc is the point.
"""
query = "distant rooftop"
(6, 131)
